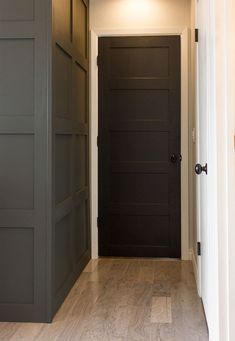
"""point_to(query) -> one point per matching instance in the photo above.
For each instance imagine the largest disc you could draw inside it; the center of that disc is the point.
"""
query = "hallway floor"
(124, 300)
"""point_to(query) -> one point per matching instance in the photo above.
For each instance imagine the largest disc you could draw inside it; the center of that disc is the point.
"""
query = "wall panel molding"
(44, 182)
(24, 115)
(71, 37)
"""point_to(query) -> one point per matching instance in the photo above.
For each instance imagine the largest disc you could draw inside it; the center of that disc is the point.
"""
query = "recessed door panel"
(139, 105)
(139, 230)
(139, 62)
(17, 86)
(139, 188)
(139, 146)
(14, 10)
(17, 286)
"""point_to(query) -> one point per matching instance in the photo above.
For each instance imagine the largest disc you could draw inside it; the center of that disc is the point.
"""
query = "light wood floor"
(124, 300)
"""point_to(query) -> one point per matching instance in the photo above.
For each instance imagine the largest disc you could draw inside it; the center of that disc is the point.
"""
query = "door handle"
(173, 158)
(199, 168)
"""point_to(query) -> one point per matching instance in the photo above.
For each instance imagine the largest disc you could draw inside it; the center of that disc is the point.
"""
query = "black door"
(139, 147)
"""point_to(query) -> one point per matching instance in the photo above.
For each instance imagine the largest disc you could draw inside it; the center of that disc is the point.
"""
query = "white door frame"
(183, 32)
(197, 258)
(208, 232)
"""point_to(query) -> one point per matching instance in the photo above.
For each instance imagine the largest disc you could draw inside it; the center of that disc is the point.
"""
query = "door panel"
(139, 127)
(128, 62)
(23, 155)
(139, 146)
(139, 105)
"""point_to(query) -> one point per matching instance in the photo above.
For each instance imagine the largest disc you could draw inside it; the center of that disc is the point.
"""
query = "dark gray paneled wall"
(44, 187)
(23, 159)
(71, 233)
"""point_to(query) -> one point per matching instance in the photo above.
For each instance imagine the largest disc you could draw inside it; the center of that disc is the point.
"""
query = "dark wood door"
(139, 147)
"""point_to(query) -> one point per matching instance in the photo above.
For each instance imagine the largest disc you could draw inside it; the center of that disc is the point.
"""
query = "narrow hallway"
(124, 299)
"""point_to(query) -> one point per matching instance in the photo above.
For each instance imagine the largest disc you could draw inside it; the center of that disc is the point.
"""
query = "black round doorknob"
(173, 158)
(199, 169)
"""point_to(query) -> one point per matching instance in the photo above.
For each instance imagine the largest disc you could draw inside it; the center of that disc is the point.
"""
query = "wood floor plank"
(161, 289)
(132, 273)
(161, 310)
(101, 271)
(160, 271)
(140, 327)
(27, 331)
(7, 330)
(124, 299)
(146, 271)
(91, 266)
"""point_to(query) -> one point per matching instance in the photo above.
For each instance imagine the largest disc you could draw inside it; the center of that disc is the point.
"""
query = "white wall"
(230, 30)
(225, 113)
(122, 14)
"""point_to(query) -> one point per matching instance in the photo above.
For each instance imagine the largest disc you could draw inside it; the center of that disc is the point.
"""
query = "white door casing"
(184, 34)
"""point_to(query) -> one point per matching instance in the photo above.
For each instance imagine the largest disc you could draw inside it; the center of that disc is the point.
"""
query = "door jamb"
(183, 32)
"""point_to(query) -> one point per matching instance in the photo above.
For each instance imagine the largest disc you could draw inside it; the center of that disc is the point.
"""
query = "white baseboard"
(195, 269)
